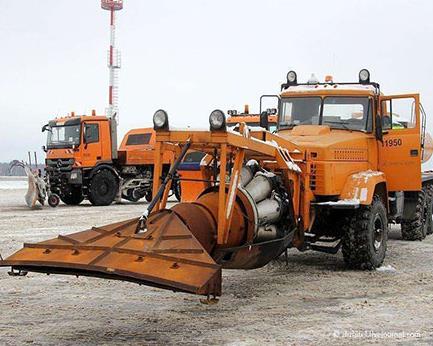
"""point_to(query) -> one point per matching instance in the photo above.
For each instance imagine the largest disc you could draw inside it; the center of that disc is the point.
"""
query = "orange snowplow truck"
(83, 160)
(344, 164)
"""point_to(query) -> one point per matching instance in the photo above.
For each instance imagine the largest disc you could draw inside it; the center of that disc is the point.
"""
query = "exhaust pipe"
(261, 186)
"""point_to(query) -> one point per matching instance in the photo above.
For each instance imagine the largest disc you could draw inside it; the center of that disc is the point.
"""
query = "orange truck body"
(138, 148)
(79, 148)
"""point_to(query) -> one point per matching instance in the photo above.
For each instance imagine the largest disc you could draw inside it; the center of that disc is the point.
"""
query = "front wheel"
(365, 236)
(103, 188)
(72, 196)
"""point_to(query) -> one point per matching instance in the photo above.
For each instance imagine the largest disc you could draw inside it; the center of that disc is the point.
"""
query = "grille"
(350, 154)
(59, 164)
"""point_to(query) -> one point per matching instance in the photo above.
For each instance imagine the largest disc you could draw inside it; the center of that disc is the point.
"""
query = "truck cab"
(346, 128)
(75, 146)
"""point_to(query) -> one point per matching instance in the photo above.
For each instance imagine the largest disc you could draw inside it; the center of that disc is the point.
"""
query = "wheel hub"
(103, 188)
(378, 233)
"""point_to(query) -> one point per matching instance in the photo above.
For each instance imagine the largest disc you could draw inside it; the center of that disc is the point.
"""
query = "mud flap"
(165, 255)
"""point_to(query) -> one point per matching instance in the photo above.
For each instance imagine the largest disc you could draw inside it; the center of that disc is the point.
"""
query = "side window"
(398, 114)
(92, 133)
(138, 139)
(194, 156)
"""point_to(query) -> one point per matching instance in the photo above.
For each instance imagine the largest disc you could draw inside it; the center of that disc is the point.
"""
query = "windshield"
(63, 136)
(350, 113)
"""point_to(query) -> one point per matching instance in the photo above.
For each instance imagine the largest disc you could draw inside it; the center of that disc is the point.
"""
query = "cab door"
(400, 151)
(92, 149)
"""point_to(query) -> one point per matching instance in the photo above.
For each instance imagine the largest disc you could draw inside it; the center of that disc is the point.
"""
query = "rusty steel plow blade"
(166, 255)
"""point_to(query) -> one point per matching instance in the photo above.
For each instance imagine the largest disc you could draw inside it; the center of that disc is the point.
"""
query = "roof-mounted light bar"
(363, 78)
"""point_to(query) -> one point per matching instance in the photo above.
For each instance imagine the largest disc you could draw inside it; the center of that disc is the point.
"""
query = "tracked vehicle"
(344, 164)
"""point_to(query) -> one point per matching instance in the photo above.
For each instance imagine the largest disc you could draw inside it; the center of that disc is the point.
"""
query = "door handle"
(414, 152)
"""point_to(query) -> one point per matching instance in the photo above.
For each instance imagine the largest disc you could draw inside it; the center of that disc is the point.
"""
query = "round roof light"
(364, 76)
(160, 119)
(292, 78)
(217, 120)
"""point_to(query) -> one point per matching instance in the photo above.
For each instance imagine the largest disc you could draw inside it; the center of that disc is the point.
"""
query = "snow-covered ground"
(313, 300)
(13, 183)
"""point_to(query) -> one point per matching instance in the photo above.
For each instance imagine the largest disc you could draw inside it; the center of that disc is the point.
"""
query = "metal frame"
(229, 146)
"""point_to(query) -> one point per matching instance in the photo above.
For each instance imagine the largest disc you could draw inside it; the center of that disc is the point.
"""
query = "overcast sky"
(190, 57)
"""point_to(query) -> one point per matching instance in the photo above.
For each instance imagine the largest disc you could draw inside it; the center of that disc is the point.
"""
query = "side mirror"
(44, 148)
(378, 128)
(264, 120)
(46, 128)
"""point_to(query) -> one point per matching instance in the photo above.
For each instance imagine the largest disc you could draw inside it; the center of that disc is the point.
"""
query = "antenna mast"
(113, 59)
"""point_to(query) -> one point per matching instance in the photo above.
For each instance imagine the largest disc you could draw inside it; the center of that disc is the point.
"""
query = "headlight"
(75, 177)
(364, 76)
(160, 120)
(217, 120)
(292, 78)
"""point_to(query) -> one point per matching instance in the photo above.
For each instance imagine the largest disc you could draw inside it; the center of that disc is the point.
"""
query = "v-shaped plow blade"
(167, 255)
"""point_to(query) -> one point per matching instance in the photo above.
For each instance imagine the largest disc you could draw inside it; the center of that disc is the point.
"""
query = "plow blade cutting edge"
(167, 255)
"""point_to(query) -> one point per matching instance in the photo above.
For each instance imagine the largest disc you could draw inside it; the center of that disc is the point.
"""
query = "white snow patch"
(363, 195)
(188, 129)
(387, 269)
(366, 175)
(345, 202)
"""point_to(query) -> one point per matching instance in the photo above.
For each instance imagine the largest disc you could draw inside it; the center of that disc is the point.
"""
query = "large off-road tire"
(415, 227)
(73, 196)
(365, 236)
(429, 208)
(103, 188)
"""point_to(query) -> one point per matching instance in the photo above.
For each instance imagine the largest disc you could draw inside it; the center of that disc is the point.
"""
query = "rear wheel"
(365, 236)
(72, 196)
(103, 188)
(415, 227)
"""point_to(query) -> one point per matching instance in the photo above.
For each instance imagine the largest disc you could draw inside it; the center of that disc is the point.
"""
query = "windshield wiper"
(342, 123)
(287, 125)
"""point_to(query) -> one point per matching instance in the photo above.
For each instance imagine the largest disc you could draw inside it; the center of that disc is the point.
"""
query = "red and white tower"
(113, 58)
